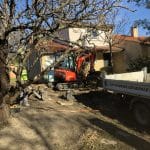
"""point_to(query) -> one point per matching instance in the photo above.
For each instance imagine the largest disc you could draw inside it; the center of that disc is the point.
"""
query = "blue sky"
(140, 13)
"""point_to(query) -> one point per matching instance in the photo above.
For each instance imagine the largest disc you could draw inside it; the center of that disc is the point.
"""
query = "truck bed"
(140, 89)
(132, 83)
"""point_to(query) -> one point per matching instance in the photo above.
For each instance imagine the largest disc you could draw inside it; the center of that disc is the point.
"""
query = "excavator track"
(77, 85)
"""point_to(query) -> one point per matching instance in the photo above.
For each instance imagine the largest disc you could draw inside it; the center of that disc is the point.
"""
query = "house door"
(106, 57)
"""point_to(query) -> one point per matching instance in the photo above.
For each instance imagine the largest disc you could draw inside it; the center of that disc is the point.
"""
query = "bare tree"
(112, 37)
(143, 22)
(37, 18)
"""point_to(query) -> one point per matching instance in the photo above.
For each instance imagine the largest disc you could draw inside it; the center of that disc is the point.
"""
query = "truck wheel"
(141, 113)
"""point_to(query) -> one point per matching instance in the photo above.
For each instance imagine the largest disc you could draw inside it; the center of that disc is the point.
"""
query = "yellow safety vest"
(24, 76)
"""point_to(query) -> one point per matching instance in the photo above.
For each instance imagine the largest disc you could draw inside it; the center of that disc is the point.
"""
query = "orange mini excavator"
(73, 71)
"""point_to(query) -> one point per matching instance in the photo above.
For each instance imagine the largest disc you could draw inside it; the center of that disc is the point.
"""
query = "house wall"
(98, 40)
(99, 62)
(132, 51)
(84, 37)
(118, 58)
(145, 50)
(119, 64)
(46, 61)
(75, 34)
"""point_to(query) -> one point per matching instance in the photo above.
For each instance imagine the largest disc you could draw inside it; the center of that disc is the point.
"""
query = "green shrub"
(139, 63)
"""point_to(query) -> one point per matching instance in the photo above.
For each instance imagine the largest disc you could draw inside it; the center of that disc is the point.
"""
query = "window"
(67, 63)
(93, 33)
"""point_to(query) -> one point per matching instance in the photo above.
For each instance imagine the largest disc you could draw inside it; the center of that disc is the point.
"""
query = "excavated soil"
(93, 121)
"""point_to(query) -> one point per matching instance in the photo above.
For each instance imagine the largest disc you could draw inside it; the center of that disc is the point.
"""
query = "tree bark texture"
(4, 82)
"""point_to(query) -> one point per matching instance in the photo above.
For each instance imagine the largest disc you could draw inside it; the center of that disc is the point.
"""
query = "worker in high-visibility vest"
(24, 76)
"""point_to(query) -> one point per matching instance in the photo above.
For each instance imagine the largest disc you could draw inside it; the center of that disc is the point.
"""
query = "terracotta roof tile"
(50, 46)
(141, 39)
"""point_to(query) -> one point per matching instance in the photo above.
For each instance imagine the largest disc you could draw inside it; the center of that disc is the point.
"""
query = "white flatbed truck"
(135, 86)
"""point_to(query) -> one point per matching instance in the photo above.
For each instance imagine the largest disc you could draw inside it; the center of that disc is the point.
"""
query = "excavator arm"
(84, 60)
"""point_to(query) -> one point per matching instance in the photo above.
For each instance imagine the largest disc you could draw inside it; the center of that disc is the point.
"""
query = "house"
(93, 38)
(134, 47)
(75, 37)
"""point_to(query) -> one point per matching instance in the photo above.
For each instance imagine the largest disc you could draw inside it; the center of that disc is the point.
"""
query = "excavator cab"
(65, 71)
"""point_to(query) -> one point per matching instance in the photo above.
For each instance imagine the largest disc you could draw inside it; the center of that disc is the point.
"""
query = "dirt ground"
(93, 121)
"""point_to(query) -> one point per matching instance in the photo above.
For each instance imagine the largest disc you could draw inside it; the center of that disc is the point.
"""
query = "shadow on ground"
(124, 136)
(58, 131)
(111, 106)
(44, 127)
(49, 126)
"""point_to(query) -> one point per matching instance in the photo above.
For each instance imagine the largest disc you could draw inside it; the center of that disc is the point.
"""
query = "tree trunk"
(110, 58)
(4, 82)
